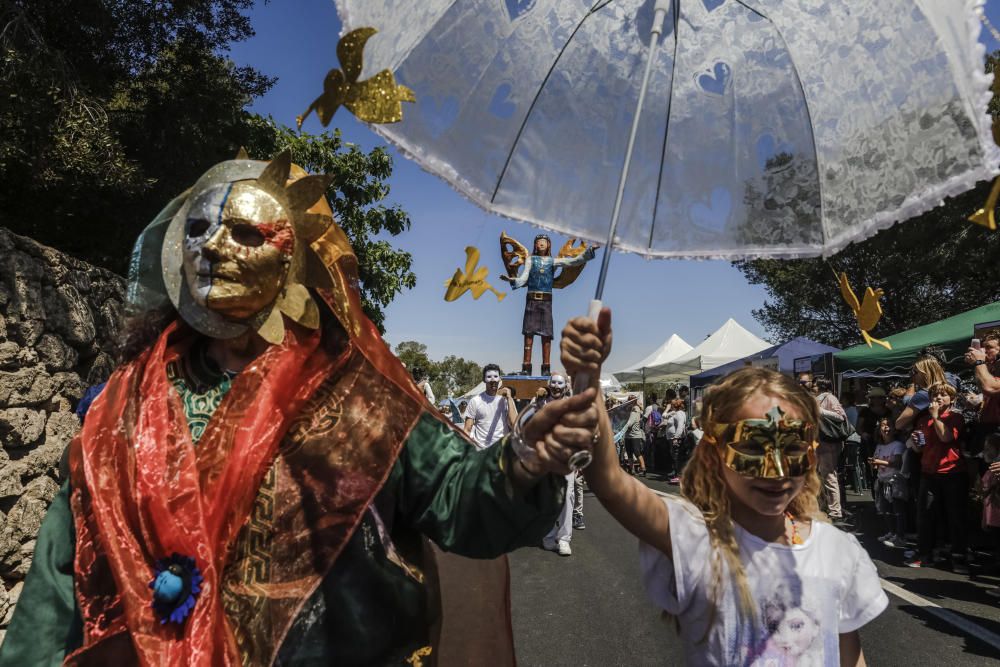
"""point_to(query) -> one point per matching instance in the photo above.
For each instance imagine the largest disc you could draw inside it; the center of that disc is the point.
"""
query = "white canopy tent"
(609, 384)
(674, 347)
(475, 391)
(729, 343)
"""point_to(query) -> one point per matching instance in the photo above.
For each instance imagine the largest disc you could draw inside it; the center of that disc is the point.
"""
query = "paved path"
(590, 609)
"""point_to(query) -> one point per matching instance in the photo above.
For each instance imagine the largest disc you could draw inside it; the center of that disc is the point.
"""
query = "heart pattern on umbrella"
(713, 216)
(712, 5)
(518, 8)
(715, 80)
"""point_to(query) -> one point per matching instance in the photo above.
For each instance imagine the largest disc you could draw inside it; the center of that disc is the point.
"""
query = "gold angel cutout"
(515, 256)
(868, 312)
(473, 279)
(986, 215)
(375, 100)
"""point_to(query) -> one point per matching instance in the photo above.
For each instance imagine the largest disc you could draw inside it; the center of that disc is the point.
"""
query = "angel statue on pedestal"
(537, 272)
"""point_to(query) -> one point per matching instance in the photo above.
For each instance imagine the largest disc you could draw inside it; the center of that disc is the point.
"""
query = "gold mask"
(772, 447)
(236, 255)
(238, 245)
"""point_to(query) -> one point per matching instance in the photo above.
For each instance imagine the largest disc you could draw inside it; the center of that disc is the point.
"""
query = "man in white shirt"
(490, 415)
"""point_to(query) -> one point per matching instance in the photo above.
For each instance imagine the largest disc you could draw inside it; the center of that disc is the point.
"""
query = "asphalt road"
(590, 608)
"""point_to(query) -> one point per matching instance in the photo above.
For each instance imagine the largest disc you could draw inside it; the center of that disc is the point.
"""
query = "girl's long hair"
(704, 484)
(930, 370)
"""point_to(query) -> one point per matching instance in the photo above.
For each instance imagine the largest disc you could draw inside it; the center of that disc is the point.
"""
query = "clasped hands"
(563, 427)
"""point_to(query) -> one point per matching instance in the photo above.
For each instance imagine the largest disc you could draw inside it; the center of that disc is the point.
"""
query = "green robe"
(370, 609)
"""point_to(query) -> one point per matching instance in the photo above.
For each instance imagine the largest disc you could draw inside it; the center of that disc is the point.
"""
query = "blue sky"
(650, 299)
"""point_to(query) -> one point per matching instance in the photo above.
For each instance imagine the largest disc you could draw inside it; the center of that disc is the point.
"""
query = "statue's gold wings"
(568, 274)
(515, 255)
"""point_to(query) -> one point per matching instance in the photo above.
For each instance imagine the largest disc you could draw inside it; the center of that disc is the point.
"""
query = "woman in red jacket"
(944, 484)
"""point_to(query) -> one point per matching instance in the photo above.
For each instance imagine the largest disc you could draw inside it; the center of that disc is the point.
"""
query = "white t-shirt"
(675, 423)
(806, 594)
(489, 418)
(885, 452)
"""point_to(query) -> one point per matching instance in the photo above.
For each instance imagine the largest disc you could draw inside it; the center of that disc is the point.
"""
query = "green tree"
(110, 109)
(454, 376)
(449, 377)
(931, 267)
(356, 195)
(414, 355)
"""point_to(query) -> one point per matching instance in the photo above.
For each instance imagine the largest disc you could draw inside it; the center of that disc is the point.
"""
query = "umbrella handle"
(582, 380)
(580, 460)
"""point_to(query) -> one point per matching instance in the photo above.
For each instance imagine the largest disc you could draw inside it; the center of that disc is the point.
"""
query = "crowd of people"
(926, 448)
(663, 436)
(928, 451)
(659, 435)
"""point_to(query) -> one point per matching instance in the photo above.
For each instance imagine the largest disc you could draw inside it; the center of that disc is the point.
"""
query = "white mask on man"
(492, 380)
(557, 386)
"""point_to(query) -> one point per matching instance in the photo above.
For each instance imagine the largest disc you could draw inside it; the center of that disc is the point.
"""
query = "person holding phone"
(944, 483)
(983, 359)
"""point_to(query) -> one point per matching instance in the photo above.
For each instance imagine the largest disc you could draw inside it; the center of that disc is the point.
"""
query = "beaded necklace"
(795, 538)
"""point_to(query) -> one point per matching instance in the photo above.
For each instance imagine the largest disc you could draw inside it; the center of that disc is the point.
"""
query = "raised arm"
(634, 505)
(582, 258)
(976, 357)
(511, 410)
(585, 345)
(482, 503)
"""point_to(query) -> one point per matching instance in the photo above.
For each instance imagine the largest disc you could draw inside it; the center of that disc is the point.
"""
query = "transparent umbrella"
(691, 128)
(759, 128)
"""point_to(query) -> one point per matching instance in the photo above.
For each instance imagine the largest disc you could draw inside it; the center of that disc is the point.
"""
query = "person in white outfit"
(559, 537)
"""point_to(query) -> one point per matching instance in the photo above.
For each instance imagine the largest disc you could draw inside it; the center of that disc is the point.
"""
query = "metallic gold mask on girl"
(772, 447)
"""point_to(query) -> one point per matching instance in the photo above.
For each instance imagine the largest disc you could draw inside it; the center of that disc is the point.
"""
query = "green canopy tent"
(952, 335)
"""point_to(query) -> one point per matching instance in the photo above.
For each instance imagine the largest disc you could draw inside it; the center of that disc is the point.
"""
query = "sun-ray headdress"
(157, 274)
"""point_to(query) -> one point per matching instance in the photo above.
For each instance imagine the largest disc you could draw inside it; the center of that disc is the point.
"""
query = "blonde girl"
(925, 372)
(746, 531)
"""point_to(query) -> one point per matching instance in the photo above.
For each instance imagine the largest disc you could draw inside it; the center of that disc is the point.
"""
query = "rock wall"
(59, 323)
